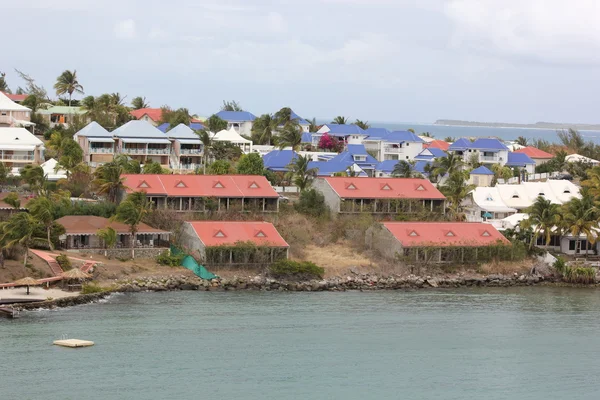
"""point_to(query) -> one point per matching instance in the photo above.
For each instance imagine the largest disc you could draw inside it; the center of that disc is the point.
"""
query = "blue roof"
(403, 136)
(328, 168)
(434, 153)
(386, 166)
(138, 129)
(278, 160)
(488, 144)
(460, 145)
(194, 125)
(301, 120)
(420, 166)
(163, 127)
(182, 131)
(236, 116)
(94, 129)
(306, 137)
(355, 150)
(197, 126)
(377, 133)
(349, 129)
(481, 171)
(518, 160)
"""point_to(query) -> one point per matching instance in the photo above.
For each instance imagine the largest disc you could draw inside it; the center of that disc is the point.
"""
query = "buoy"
(73, 343)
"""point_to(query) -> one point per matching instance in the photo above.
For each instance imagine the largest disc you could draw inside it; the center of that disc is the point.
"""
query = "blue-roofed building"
(304, 124)
(481, 176)
(384, 169)
(430, 153)
(240, 121)
(397, 145)
(377, 133)
(349, 133)
(196, 126)
(331, 168)
(357, 154)
(307, 138)
(521, 160)
(278, 160)
(487, 151)
(142, 141)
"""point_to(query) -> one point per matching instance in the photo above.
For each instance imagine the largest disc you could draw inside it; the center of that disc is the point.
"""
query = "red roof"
(533, 152)
(438, 144)
(201, 185)
(216, 233)
(78, 225)
(384, 188)
(17, 98)
(154, 114)
(443, 234)
(23, 199)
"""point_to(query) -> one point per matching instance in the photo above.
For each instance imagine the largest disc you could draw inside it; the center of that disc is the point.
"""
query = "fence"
(286, 189)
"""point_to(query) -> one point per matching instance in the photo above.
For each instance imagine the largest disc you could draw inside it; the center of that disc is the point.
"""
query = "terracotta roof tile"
(155, 114)
(216, 233)
(444, 234)
(437, 144)
(533, 152)
(87, 224)
(384, 188)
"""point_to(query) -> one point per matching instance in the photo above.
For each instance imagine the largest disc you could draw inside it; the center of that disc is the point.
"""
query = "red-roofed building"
(437, 241)
(17, 98)
(206, 192)
(152, 115)
(379, 195)
(234, 242)
(437, 144)
(539, 156)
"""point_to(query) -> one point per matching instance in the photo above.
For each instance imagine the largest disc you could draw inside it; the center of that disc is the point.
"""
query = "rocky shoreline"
(354, 282)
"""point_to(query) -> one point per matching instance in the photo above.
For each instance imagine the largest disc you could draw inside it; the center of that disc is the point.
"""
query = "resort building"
(81, 233)
(232, 136)
(429, 154)
(240, 121)
(141, 141)
(234, 242)
(19, 147)
(345, 134)
(97, 143)
(150, 115)
(573, 158)
(437, 242)
(304, 124)
(350, 195)
(202, 193)
(279, 160)
(481, 176)
(51, 172)
(486, 204)
(62, 115)
(484, 151)
(522, 161)
(188, 149)
(538, 156)
(398, 145)
(13, 114)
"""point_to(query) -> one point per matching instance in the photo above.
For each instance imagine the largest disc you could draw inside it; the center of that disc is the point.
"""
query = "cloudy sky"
(376, 60)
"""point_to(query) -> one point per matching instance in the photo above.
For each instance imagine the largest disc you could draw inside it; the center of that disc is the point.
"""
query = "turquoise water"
(526, 343)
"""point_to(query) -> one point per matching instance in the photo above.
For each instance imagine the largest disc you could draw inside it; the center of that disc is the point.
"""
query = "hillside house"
(13, 114)
(19, 147)
(188, 149)
(538, 156)
(240, 121)
(97, 143)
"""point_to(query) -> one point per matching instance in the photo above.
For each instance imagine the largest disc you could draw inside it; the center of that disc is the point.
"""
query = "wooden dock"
(9, 312)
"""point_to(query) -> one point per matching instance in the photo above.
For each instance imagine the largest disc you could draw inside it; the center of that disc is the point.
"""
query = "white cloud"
(276, 22)
(125, 29)
(547, 30)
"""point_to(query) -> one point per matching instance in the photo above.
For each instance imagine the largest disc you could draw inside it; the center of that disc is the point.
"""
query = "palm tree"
(362, 124)
(139, 102)
(522, 141)
(291, 136)
(592, 183)
(42, 209)
(67, 83)
(109, 237)
(447, 165)
(427, 135)
(580, 217)
(109, 181)
(12, 199)
(340, 120)
(300, 173)
(206, 144)
(214, 123)
(34, 176)
(131, 212)
(456, 191)
(502, 172)
(544, 217)
(21, 230)
(449, 139)
(403, 169)
(231, 106)
(284, 116)
(312, 125)
(263, 128)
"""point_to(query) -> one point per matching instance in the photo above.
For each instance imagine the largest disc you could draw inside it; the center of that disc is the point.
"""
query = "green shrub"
(64, 262)
(560, 265)
(312, 203)
(296, 269)
(165, 258)
(89, 288)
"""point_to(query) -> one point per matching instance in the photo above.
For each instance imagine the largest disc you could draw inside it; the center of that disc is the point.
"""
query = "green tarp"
(190, 263)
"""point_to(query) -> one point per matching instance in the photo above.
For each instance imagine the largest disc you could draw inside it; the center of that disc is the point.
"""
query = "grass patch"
(90, 288)
(296, 270)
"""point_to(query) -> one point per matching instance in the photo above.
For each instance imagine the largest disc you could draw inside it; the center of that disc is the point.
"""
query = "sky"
(377, 60)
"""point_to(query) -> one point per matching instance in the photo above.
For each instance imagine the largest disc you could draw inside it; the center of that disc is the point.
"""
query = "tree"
(403, 169)
(72, 156)
(109, 237)
(42, 209)
(20, 229)
(175, 117)
(109, 181)
(206, 147)
(501, 172)
(231, 106)
(3, 173)
(67, 83)
(291, 136)
(456, 191)
(449, 139)
(263, 128)
(328, 142)
(522, 141)
(544, 217)
(225, 151)
(151, 167)
(411, 130)
(34, 176)
(572, 139)
(139, 102)
(447, 165)
(362, 124)
(592, 183)
(12, 199)
(219, 167)
(340, 120)
(131, 212)
(214, 123)
(106, 109)
(427, 135)
(300, 173)
(251, 164)
(32, 88)
(3, 85)
(580, 217)
(312, 125)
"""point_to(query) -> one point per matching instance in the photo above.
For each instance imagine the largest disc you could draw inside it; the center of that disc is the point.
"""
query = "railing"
(190, 151)
(488, 158)
(133, 150)
(159, 151)
(16, 157)
(101, 150)
(190, 167)
(389, 149)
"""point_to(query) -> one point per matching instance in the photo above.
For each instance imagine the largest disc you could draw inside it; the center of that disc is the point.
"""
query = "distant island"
(537, 125)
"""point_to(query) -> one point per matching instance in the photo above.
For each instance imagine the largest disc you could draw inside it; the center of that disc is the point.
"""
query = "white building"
(19, 147)
(239, 121)
(233, 137)
(13, 114)
(398, 145)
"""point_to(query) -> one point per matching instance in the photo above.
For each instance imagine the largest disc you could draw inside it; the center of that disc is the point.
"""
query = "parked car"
(566, 177)
(283, 199)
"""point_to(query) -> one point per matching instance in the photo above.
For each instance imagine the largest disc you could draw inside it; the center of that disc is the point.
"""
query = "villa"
(538, 156)
(13, 114)
(19, 147)
(97, 143)
(240, 121)
(62, 115)
(349, 195)
(398, 145)
(204, 193)
(188, 149)
(345, 134)
(484, 151)
(150, 115)
(141, 141)
(215, 242)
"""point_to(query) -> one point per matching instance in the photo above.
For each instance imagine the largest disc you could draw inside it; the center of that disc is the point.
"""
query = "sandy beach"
(35, 293)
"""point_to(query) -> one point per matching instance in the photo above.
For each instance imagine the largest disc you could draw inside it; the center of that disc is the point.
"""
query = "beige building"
(19, 147)
(13, 114)
(97, 143)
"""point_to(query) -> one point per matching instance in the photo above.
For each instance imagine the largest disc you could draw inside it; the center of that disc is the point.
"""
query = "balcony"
(165, 151)
(483, 158)
(189, 167)
(191, 151)
(390, 149)
(16, 157)
(127, 150)
(101, 150)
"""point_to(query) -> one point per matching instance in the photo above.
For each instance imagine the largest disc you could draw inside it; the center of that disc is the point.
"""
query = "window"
(143, 184)
(360, 158)
(219, 234)
(450, 234)
(253, 185)
(515, 196)
(541, 194)
(180, 184)
(476, 180)
(351, 187)
(386, 187)
(413, 234)
(407, 144)
(572, 245)
(566, 191)
(260, 234)
(420, 188)
(4, 113)
(218, 185)
(485, 234)
(489, 198)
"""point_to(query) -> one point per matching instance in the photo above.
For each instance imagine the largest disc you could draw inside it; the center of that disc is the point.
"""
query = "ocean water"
(443, 131)
(517, 343)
